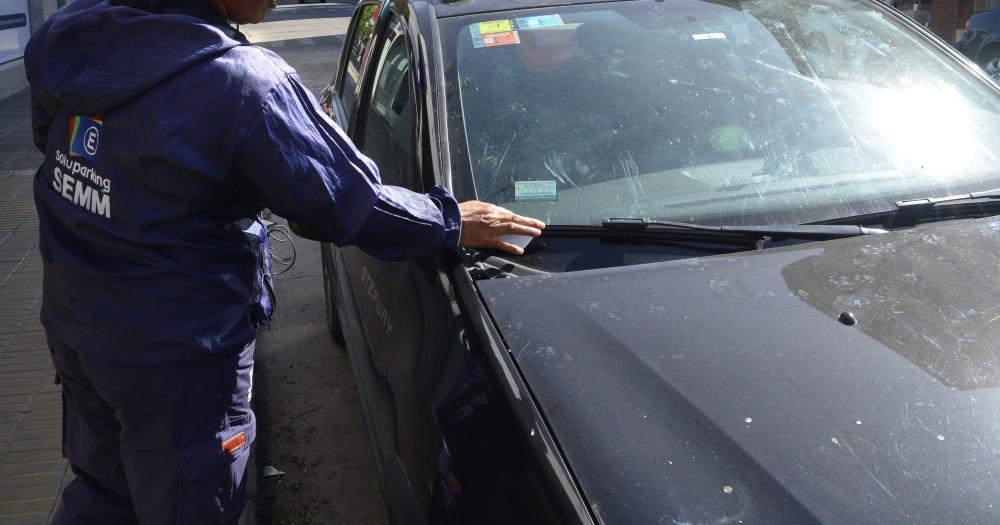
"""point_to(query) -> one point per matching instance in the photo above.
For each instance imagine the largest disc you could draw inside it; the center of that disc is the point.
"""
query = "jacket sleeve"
(304, 168)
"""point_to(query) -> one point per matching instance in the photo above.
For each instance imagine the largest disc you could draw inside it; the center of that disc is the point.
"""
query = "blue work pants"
(164, 444)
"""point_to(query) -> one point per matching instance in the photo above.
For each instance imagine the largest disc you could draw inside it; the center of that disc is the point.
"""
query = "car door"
(428, 404)
(339, 101)
(407, 325)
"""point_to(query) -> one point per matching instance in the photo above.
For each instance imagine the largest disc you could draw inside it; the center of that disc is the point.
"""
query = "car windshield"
(759, 112)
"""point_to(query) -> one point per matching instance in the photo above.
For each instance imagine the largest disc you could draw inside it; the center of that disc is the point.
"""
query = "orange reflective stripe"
(233, 443)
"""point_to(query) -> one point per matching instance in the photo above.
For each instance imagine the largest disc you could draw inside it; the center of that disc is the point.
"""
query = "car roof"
(449, 8)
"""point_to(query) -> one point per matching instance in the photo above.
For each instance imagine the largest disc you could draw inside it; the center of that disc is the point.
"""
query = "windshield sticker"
(535, 190)
(709, 36)
(493, 26)
(539, 22)
(496, 39)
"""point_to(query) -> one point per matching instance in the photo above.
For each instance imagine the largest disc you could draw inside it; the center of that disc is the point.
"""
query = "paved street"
(309, 419)
(290, 25)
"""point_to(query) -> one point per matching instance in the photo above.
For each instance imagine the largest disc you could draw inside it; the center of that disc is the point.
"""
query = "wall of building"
(948, 17)
(12, 77)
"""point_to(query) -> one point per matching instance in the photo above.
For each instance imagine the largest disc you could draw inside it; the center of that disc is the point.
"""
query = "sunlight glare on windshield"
(928, 126)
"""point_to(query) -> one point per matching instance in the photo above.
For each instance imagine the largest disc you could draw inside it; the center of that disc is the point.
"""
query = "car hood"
(725, 389)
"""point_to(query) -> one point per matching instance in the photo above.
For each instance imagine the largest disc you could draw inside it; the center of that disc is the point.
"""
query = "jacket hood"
(728, 388)
(198, 8)
(94, 55)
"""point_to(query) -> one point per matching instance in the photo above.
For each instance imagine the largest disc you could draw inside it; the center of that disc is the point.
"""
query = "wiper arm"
(791, 231)
(933, 201)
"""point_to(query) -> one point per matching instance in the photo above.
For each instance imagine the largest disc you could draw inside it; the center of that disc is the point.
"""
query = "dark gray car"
(767, 292)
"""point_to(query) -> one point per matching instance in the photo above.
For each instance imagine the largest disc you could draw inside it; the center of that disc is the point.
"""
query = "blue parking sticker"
(535, 190)
(538, 22)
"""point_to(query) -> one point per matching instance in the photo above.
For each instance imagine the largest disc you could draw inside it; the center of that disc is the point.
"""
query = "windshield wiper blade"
(933, 201)
(790, 231)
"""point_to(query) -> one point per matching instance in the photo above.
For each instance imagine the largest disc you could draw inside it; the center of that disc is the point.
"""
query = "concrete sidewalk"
(32, 470)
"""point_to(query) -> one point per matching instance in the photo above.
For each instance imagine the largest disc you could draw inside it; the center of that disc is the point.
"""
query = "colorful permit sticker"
(496, 39)
(539, 22)
(535, 190)
(494, 26)
(494, 33)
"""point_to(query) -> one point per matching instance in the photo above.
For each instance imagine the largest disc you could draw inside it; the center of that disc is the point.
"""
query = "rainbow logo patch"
(85, 136)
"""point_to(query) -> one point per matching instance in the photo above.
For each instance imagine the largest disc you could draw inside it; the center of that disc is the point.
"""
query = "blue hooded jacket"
(165, 133)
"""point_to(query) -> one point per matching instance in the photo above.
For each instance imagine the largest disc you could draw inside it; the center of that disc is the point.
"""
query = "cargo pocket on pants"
(212, 483)
(212, 487)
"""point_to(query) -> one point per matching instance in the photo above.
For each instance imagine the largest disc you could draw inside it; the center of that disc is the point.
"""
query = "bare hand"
(483, 223)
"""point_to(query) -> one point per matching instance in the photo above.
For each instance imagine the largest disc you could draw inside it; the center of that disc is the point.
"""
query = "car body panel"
(385, 345)
(402, 337)
(725, 388)
(433, 395)
(464, 430)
